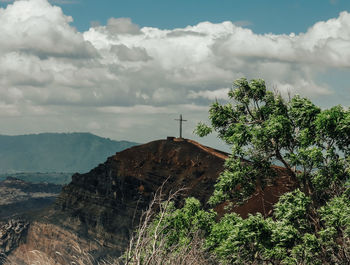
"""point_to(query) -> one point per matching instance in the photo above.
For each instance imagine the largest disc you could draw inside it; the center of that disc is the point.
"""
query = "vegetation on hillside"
(310, 225)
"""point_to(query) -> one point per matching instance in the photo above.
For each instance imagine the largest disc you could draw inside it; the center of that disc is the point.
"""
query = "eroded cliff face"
(105, 204)
(100, 209)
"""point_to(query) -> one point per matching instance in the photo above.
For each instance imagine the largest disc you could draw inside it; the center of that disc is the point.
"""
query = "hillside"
(56, 152)
(101, 208)
(18, 197)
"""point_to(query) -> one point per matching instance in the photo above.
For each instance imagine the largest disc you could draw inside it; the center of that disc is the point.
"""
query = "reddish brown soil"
(106, 199)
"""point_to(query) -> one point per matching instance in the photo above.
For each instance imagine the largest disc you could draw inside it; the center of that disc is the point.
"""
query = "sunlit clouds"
(49, 68)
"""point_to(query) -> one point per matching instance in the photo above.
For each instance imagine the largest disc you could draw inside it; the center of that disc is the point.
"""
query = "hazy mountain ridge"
(56, 152)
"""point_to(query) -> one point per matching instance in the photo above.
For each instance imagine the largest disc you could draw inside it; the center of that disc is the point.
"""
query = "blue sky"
(127, 69)
(264, 16)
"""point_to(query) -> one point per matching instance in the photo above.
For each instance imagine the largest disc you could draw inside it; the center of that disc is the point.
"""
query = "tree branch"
(287, 166)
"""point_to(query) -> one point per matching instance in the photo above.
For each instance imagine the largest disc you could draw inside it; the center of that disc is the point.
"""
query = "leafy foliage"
(179, 225)
(289, 237)
(311, 224)
(292, 208)
(261, 126)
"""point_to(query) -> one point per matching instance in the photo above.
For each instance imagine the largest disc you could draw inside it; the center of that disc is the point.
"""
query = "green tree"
(264, 128)
(311, 224)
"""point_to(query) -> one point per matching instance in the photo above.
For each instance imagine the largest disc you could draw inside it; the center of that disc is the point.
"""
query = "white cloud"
(62, 2)
(146, 109)
(122, 26)
(93, 125)
(133, 54)
(37, 27)
(46, 66)
(210, 94)
(243, 23)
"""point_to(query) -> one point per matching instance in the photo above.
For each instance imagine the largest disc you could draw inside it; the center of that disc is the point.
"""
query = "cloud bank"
(48, 68)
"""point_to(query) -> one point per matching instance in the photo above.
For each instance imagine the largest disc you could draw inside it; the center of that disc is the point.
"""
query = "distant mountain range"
(56, 152)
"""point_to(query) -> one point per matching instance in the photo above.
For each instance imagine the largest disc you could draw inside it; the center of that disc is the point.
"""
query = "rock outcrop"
(101, 208)
(105, 204)
(12, 233)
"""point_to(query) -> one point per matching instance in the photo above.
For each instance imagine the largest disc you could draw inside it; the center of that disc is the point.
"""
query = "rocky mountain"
(100, 209)
(55, 152)
(107, 201)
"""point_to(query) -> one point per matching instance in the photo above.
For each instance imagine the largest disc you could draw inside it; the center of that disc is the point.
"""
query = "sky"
(126, 69)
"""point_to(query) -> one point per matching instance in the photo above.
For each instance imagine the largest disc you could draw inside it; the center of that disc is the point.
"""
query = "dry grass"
(149, 248)
(145, 247)
(78, 257)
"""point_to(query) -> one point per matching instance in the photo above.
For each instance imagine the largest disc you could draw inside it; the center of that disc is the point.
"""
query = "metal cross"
(180, 120)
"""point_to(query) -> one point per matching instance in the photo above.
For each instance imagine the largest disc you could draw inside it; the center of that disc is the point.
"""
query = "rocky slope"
(18, 197)
(12, 233)
(105, 203)
(101, 207)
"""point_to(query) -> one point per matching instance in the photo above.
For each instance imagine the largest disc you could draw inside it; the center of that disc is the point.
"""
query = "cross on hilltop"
(180, 120)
